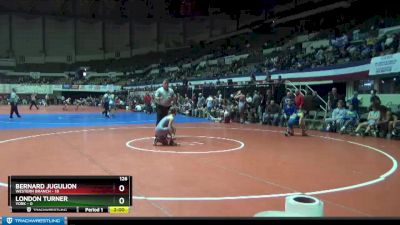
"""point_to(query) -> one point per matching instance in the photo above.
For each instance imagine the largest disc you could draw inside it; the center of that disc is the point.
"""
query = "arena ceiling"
(154, 9)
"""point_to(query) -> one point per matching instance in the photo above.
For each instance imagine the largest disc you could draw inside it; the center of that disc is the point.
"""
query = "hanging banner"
(385, 64)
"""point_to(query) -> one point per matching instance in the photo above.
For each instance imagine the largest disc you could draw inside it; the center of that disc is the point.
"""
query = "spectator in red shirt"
(147, 102)
(299, 99)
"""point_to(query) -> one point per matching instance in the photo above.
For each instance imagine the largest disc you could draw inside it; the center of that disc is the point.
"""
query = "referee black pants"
(106, 109)
(14, 109)
(162, 111)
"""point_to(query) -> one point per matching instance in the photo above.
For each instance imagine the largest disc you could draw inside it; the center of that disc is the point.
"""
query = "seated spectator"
(351, 118)
(272, 113)
(340, 42)
(288, 110)
(138, 108)
(385, 126)
(389, 41)
(187, 107)
(395, 125)
(210, 103)
(337, 118)
(373, 118)
(365, 51)
(287, 99)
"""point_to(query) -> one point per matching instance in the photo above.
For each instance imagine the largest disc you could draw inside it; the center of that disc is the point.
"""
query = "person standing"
(355, 102)
(256, 104)
(33, 102)
(194, 99)
(47, 98)
(299, 99)
(280, 90)
(66, 103)
(374, 100)
(316, 101)
(164, 98)
(241, 98)
(14, 103)
(147, 102)
(106, 105)
(111, 104)
(333, 99)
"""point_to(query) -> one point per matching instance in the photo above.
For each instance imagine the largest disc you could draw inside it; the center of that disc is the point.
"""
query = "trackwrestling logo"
(33, 220)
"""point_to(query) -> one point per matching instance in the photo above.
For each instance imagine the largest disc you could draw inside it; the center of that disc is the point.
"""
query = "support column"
(44, 38)
(10, 36)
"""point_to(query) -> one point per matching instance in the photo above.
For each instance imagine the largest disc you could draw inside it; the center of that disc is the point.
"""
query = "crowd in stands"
(345, 46)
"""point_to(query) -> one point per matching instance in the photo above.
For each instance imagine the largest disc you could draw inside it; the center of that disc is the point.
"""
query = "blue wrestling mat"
(59, 120)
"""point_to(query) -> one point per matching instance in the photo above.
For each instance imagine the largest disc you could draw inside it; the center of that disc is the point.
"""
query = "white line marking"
(241, 145)
(191, 143)
(355, 186)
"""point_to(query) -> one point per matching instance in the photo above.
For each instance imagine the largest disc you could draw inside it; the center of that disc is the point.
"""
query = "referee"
(164, 98)
(14, 103)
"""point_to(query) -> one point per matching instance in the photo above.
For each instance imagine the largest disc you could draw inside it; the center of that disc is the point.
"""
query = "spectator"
(373, 118)
(147, 101)
(288, 110)
(299, 99)
(268, 97)
(308, 103)
(355, 102)
(256, 104)
(337, 119)
(194, 99)
(374, 99)
(316, 101)
(333, 98)
(271, 115)
(385, 126)
(280, 89)
(201, 101)
(210, 103)
(351, 118)
(262, 107)
(241, 98)
(287, 99)
(268, 79)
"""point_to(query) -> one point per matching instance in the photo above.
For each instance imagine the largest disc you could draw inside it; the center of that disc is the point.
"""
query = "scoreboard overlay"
(75, 194)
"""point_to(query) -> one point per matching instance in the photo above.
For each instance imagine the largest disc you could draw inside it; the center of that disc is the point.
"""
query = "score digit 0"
(121, 188)
(121, 201)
